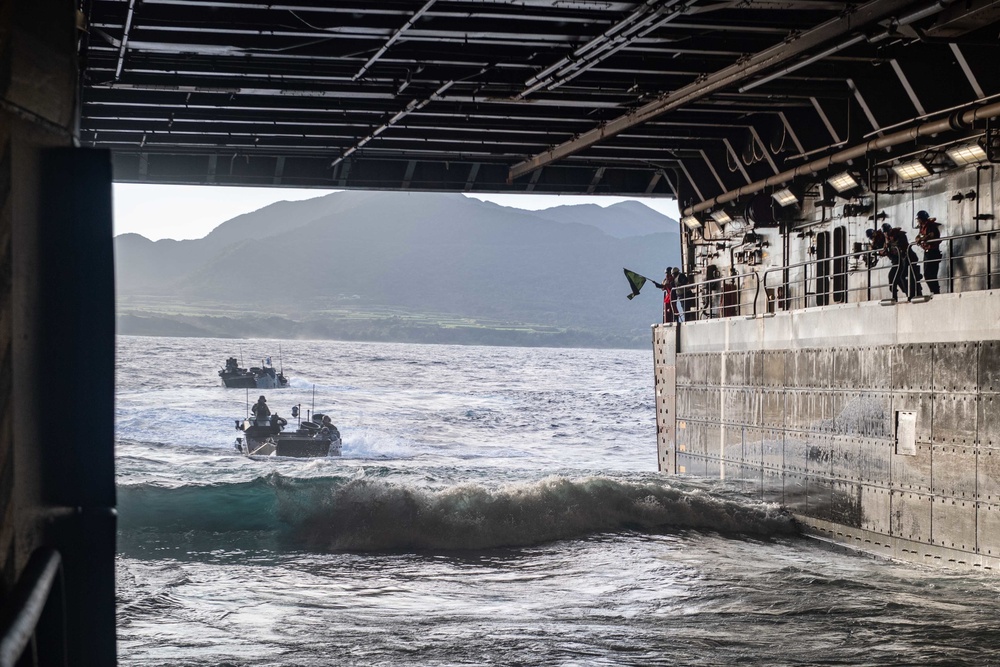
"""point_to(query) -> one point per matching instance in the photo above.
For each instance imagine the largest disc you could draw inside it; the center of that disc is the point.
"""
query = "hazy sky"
(192, 211)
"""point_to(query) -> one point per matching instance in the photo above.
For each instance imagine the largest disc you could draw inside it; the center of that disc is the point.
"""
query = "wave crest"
(366, 515)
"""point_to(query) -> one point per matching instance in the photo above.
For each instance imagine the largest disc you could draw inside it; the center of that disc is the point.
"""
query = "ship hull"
(877, 426)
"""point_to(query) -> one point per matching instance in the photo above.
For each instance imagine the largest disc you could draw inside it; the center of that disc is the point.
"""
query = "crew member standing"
(260, 410)
(929, 238)
(667, 286)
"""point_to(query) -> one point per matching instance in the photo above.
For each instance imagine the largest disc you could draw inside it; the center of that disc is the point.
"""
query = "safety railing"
(716, 298)
(971, 263)
(34, 619)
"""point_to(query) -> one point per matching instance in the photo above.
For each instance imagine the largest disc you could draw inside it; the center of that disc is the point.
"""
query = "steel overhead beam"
(861, 17)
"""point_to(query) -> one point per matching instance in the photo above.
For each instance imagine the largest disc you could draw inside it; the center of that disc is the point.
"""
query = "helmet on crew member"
(923, 215)
(886, 227)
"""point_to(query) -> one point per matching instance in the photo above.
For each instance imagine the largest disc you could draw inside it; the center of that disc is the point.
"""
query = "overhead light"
(966, 154)
(691, 222)
(721, 217)
(785, 197)
(843, 182)
(911, 171)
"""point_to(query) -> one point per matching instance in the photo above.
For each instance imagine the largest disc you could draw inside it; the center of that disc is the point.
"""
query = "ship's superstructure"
(798, 377)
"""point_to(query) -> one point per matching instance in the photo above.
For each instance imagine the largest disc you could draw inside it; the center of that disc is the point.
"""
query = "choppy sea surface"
(493, 506)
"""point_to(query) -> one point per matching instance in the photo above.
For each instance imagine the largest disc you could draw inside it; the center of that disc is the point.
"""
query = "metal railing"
(34, 619)
(971, 263)
(717, 298)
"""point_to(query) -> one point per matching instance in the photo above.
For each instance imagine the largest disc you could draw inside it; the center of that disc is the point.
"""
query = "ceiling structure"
(690, 99)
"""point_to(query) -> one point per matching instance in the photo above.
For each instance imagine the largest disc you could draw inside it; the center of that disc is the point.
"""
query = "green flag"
(635, 281)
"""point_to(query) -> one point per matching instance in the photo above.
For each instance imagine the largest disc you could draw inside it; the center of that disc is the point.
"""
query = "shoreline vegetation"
(182, 320)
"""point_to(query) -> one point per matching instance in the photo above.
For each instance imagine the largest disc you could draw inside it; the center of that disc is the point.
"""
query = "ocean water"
(493, 506)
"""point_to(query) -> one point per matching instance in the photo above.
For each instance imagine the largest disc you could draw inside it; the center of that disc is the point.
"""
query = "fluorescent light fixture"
(691, 222)
(911, 171)
(966, 154)
(843, 182)
(721, 217)
(785, 197)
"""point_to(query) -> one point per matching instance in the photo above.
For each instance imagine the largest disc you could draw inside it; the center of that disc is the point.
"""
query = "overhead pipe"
(954, 122)
(912, 17)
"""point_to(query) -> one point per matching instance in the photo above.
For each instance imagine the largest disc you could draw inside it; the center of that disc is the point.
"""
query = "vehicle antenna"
(248, 398)
(314, 399)
(241, 355)
(281, 367)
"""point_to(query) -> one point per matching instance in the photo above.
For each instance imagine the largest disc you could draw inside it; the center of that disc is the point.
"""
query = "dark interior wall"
(56, 318)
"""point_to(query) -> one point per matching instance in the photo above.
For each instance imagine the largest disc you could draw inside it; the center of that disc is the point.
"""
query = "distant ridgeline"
(406, 267)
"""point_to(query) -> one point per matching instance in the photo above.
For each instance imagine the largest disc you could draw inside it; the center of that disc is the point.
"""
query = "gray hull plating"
(879, 427)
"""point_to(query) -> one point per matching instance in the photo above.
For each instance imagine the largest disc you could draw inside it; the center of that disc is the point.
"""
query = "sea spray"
(367, 513)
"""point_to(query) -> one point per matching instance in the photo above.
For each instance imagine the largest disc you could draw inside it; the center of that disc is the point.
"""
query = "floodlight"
(911, 171)
(843, 182)
(691, 222)
(785, 197)
(721, 217)
(966, 154)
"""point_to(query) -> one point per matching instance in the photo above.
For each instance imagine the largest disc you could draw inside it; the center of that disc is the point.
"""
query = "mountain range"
(404, 266)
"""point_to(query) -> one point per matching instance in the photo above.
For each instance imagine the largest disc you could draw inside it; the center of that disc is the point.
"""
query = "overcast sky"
(192, 211)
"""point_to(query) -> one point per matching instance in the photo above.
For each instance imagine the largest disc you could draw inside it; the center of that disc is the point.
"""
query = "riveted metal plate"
(801, 368)
(988, 529)
(954, 418)
(803, 409)
(988, 474)
(736, 369)
(912, 367)
(912, 473)
(691, 464)
(819, 459)
(773, 362)
(796, 451)
(844, 458)
(875, 509)
(689, 437)
(863, 414)
(773, 486)
(824, 368)
(921, 404)
(988, 422)
(911, 516)
(753, 446)
(712, 442)
(773, 448)
(713, 468)
(795, 493)
(713, 369)
(953, 471)
(735, 404)
(845, 504)
(846, 368)
(956, 367)
(772, 408)
(755, 368)
(684, 369)
(819, 502)
(874, 461)
(989, 365)
(875, 368)
(732, 445)
(954, 523)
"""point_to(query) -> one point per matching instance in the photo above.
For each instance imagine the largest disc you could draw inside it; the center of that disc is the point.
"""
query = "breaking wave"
(372, 514)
